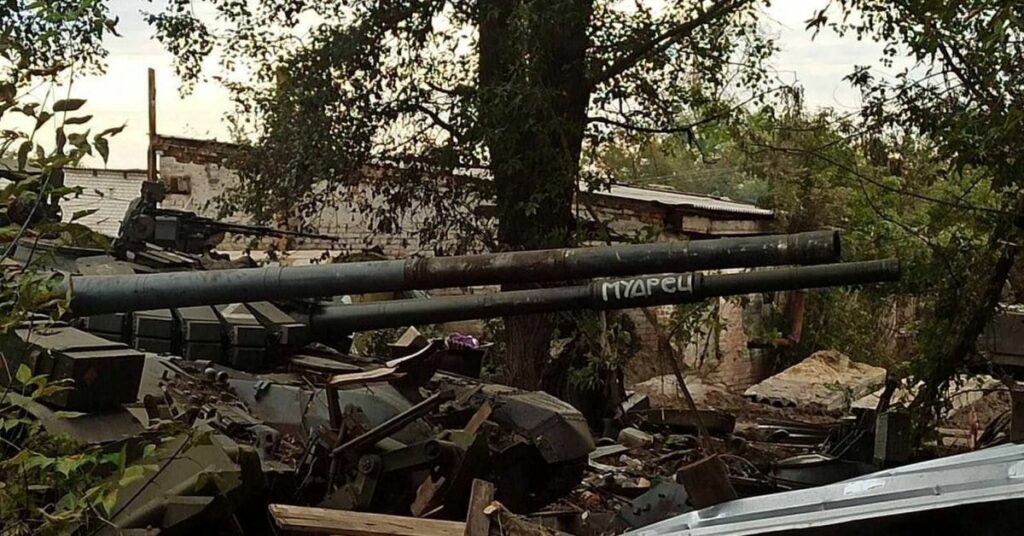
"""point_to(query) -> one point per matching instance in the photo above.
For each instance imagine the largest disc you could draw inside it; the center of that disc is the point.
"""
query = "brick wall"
(735, 365)
(196, 174)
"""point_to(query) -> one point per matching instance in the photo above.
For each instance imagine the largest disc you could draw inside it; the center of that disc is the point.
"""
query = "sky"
(119, 96)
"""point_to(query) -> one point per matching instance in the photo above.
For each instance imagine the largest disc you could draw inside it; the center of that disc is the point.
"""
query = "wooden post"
(669, 353)
(1016, 413)
(151, 152)
(478, 523)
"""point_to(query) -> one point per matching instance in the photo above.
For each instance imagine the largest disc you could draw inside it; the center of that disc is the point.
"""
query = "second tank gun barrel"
(93, 295)
(622, 293)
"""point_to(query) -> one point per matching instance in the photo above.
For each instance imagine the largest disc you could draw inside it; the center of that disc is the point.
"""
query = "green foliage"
(50, 484)
(961, 95)
(40, 40)
(593, 346)
(712, 165)
(402, 105)
(429, 88)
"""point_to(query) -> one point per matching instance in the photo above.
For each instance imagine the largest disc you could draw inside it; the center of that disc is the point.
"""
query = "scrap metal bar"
(394, 424)
(93, 295)
(625, 293)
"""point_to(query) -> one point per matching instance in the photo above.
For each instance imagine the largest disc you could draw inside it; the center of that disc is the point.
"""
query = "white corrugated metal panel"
(675, 199)
(108, 191)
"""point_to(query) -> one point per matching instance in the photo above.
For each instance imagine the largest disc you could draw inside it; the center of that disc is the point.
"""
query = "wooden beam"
(303, 520)
(379, 375)
(478, 419)
(478, 523)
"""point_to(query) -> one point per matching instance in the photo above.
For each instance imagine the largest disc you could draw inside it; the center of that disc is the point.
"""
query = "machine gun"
(145, 222)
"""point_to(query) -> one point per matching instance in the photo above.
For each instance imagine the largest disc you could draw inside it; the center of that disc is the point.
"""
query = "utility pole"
(151, 152)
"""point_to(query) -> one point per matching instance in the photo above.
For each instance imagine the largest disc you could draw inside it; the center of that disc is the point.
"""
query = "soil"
(986, 408)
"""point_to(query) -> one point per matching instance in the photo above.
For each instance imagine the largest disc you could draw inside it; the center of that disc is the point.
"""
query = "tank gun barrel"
(92, 295)
(624, 293)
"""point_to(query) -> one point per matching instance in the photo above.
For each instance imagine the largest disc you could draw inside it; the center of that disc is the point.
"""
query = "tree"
(522, 90)
(962, 93)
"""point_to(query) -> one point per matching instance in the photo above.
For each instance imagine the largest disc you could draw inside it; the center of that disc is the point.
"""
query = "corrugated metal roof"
(681, 200)
(108, 191)
(982, 476)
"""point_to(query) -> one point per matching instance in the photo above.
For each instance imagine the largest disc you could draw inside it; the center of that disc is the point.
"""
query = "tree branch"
(688, 128)
(719, 10)
(438, 121)
(649, 130)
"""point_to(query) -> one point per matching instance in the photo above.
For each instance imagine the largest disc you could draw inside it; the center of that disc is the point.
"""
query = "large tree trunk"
(961, 314)
(533, 108)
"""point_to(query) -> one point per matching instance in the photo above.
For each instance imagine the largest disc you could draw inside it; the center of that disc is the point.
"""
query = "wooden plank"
(428, 496)
(478, 418)
(478, 523)
(376, 375)
(303, 520)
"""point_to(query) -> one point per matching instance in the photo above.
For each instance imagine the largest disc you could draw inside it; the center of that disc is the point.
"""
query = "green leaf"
(24, 373)
(131, 474)
(68, 105)
(23, 151)
(108, 500)
(68, 414)
(42, 119)
(102, 147)
(66, 464)
(79, 214)
(29, 109)
(112, 131)
(8, 92)
(39, 461)
(68, 502)
(78, 120)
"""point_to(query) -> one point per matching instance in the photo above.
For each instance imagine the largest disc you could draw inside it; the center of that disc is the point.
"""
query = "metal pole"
(625, 293)
(151, 151)
(122, 293)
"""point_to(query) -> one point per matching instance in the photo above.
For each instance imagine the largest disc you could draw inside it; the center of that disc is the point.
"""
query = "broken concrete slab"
(964, 391)
(827, 379)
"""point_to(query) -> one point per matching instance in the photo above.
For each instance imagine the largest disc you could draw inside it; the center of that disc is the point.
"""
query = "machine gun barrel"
(92, 295)
(643, 291)
(241, 228)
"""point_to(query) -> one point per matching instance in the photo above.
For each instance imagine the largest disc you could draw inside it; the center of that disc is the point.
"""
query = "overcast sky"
(120, 95)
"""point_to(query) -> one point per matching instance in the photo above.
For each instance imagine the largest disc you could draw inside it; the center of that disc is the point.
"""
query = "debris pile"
(827, 379)
(243, 382)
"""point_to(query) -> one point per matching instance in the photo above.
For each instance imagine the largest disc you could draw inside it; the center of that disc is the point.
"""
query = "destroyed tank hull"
(367, 434)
